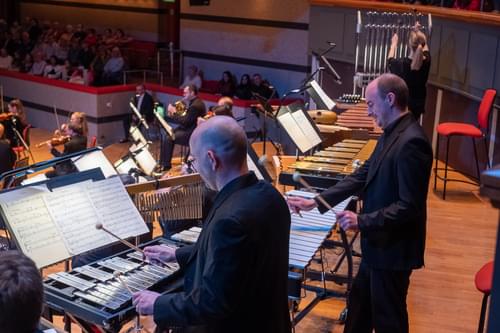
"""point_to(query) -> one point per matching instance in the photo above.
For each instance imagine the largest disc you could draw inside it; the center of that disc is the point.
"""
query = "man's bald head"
(224, 137)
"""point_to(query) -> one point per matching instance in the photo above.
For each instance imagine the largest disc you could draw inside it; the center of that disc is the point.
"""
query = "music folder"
(299, 126)
(51, 223)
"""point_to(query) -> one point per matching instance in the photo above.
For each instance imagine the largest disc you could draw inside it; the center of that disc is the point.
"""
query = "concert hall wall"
(268, 37)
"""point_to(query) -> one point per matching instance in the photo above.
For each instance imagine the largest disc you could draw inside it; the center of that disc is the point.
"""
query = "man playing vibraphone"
(393, 184)
(236, 274)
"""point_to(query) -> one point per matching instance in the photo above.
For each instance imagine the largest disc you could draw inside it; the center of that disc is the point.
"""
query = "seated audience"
(192, 77)
(467, 4)
(5, 59)
(26, 64)
(244, 89)
(226, 85)
(38, 65)
(21, 294)
(86, 55)
(53, 70)
(113, 68)
(260, 87)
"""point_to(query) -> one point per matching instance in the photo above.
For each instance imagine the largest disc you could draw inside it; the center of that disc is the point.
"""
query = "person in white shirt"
(53, 70)
(192, 77)
(38, 65)
(5, 59)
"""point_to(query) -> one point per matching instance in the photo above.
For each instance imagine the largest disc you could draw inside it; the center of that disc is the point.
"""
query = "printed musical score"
(53, 226)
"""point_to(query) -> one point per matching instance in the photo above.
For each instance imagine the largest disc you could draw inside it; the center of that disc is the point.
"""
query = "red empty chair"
(93, 141)
(484, 280)
(451, 129)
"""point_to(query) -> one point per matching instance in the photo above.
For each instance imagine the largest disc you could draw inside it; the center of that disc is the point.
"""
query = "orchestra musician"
(21, 294)
(144, 103)
(236, 274)
(183, 124)
(15, 119)
(414, 69)
(74, 138)
(393, 183)
(7, 155)
(224, 107)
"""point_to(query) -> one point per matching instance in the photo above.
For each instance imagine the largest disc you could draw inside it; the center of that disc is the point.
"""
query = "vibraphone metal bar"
(374, 38)
(308, 235)
(92, 293)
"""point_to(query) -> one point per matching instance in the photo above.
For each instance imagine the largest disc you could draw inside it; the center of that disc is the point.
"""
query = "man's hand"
(144, 302)
(348, 220)
(171, 109)
(160, 254)
(297, 204)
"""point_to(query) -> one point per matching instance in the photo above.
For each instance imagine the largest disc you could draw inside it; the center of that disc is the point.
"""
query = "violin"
(55, 141)
(6, 115)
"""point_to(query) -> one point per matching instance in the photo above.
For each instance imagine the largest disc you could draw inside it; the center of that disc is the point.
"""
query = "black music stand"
(268, 112)
(299, 126)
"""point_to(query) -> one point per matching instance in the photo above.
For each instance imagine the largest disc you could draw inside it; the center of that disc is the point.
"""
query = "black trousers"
(378, 301)
(167, 145)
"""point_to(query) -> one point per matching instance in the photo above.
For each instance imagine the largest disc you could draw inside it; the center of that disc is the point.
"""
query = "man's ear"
(391, 98)
(214, 162)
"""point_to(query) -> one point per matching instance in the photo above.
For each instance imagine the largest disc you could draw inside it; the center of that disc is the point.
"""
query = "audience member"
(5, 59)
(21, 293)
(260, 87)
(38, 65)
(53, 70)
(74, 51)
(244, 89)
(26, 64)
(114, 67)
(467, 4)
(192, 77)
(226, 85)
(97, 65)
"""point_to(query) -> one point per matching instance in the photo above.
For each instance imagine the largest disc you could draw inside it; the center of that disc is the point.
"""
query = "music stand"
(319, 96)
(299, 126)
(255, 165)
(268, 113)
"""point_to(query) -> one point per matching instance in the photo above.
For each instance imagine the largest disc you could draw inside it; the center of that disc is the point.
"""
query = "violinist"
(14, 119)
(74, 138)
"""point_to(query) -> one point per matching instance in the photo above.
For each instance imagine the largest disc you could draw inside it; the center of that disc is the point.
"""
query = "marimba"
(327, 167)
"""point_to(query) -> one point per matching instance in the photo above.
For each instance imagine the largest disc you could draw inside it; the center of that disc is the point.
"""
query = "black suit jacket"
(75, 144)
(236, 274)
(146, 107)
(393, 184)
(195, 109)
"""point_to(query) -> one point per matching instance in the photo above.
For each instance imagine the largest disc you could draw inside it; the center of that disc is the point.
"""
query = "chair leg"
(437, 159)
(446, 166)
(482, 316)
(477, 160)
(488, 165)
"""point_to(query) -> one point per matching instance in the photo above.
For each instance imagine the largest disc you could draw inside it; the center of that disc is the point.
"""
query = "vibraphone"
(91, 294)
(325, 168)
(308, 233)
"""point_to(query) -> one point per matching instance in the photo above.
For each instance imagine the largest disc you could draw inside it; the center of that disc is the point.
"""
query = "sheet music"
(300, 129)
(115, 209)
(293, 130)
(307, 128)
(32, 226)
(76, 221)
(322, 95)
(53, 226)
(93, 160)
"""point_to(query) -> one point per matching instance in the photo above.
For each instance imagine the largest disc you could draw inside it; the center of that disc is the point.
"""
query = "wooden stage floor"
(461, 233)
